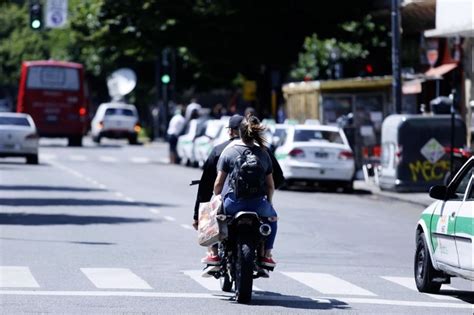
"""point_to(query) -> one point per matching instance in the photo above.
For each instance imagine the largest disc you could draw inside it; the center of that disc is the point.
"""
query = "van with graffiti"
(415, 150)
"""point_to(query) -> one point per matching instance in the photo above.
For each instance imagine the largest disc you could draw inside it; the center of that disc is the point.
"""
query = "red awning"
(441, 70)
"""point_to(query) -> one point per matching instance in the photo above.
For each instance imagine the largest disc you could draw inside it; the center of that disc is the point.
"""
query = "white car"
(18, 137)
(445, 233)
(203, 145)
(186, 143)
(316, 154)
(117, 121)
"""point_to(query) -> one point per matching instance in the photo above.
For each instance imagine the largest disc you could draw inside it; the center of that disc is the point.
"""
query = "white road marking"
(155, 211)
(222, 295)
(168, 218)
(128, 199)
(327, 284)
(164, 160)
(140, 160)
(186, 226)
(115, 278)
(17, 277)
(210, 284)
(119, 194)
(107, 159)
(77, 157)
(409, 282)
(48, 156)
(102, 186)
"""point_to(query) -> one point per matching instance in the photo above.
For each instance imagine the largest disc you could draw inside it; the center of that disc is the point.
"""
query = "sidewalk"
(422, 199)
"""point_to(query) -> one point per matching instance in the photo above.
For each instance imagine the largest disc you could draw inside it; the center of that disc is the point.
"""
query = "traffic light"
(165, 78)
(36, 15)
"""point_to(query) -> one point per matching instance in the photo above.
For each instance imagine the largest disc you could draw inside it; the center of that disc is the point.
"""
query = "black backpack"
(248, 176)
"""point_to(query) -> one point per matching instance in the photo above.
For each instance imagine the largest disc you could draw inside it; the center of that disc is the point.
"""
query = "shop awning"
(438, 72)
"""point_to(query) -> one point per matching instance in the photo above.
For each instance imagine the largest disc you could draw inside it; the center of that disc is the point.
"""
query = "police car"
(444, 233)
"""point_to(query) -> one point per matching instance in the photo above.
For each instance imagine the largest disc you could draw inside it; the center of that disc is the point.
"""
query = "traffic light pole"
(396, 69)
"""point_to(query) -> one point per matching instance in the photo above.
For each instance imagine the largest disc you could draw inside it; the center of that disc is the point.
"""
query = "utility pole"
(396, 67)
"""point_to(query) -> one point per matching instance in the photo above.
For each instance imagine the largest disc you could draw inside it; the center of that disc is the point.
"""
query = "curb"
(420, 199)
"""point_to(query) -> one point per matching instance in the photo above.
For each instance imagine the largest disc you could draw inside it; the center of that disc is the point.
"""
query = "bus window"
(53, 78)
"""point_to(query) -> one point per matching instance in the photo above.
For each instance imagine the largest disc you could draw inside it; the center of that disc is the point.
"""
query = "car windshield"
(119, 111)
(14, 121)
(307, 135)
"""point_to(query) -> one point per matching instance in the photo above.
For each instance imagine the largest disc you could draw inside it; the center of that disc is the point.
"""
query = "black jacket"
(209, 175)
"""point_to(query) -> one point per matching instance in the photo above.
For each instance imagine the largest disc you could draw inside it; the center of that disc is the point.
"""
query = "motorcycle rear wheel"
(244, 270)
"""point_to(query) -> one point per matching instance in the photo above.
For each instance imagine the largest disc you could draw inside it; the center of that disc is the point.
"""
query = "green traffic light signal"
(165, 78)
(35, 24)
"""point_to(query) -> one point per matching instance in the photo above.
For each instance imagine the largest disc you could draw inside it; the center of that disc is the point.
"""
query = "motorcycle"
(239, 254)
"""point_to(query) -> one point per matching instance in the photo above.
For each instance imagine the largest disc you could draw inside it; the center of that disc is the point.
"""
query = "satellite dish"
(121, 82)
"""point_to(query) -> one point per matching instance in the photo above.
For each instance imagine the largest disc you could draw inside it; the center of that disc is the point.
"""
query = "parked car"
(18, 137)
(117, 121)
(444, 233)
(204, 144)
(186, 142)
(317, 154)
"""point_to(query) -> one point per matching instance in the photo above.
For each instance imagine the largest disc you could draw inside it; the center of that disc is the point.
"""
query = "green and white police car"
(444, 233)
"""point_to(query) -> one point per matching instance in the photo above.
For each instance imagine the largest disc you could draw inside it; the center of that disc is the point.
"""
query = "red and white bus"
(54, 94)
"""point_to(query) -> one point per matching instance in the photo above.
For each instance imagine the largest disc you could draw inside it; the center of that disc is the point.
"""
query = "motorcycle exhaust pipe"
(265, 229)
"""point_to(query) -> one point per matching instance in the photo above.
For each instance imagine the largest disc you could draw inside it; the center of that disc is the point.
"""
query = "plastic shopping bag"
(211, 230)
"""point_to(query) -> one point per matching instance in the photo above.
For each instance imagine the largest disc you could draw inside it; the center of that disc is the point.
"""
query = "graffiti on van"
(427, 171)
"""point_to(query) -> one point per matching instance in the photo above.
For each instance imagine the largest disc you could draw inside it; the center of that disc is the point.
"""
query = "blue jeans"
(260, 205)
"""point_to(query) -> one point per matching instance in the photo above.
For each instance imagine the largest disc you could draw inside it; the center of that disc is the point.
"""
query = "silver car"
(18, 137)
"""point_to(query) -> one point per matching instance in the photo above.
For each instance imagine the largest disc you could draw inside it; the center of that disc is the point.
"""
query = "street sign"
(56, 13)
(433, 151)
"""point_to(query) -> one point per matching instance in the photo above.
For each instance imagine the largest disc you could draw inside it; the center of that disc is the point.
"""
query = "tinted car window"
(303, 135)
(14, 121)
(119, 111)
(461, 189)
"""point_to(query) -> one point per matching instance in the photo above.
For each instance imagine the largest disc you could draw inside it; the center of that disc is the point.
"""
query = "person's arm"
(219, 183)
(270, 187)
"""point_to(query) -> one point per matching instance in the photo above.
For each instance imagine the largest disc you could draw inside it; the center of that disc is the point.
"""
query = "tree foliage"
(319, 55)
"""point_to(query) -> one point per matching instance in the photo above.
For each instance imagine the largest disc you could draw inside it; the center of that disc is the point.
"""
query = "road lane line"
(17, 277)
(119, 194)
(155, 211)
(409, 282)
(211, 284)
(226, 296)
(140, 160)
(107, 159)
(102, 186)
(115, 278)
(186, 226)
(128, 199)
(327, 284)
(168, 218)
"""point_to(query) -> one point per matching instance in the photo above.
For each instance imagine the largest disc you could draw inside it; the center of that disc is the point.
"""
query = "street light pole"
(396, 69)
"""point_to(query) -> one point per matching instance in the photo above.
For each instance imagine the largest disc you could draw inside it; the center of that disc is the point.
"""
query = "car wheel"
(424, 270)
(348, 187)
(75, 141)
(32, 159)
(132, 139)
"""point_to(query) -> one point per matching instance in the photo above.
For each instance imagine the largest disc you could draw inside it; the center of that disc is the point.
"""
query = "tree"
(319, 56)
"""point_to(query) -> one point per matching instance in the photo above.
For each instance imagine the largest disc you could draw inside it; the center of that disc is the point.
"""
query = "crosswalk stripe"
(107, 159)
(140, 160)
(115, 278)
(328, 284)
(17, 277)
(409, 283)
(210, 284)
(77, 157)
(48, 156)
